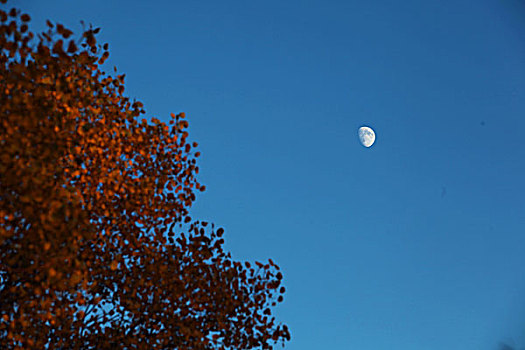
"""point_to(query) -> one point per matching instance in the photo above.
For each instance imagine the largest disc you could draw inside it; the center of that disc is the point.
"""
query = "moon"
(367, 136)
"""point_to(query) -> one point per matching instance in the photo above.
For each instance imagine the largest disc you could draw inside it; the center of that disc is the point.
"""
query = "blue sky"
(415, 243)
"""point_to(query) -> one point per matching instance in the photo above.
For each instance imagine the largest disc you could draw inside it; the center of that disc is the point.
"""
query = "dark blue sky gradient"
(416, 243)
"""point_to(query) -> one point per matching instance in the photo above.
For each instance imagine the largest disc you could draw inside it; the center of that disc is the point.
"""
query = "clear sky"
(415, 243)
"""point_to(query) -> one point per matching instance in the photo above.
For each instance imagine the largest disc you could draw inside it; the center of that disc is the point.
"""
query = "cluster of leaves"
(97, 248)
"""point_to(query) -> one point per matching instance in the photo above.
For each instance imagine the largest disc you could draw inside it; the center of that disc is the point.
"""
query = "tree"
(97, 246)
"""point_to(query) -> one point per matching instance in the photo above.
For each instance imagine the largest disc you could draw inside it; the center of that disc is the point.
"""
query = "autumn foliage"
(97, 248)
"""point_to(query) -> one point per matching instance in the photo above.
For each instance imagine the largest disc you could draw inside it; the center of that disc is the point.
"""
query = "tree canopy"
(97, 246)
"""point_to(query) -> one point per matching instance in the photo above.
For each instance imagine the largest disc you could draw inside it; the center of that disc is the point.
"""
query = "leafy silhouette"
(97, 246)
(507, 346)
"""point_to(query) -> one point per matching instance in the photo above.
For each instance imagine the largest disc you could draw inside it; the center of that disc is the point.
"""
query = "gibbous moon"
(367, 136)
